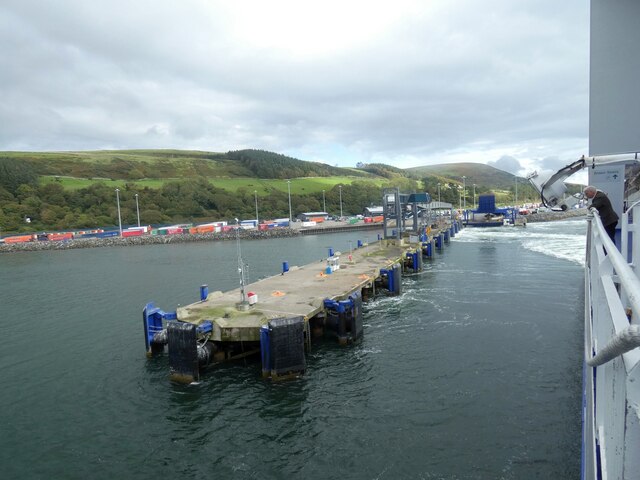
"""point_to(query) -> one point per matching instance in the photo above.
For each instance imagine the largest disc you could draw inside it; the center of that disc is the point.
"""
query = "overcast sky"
(407, 83)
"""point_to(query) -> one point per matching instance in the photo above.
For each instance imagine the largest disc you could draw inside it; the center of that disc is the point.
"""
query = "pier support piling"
(183, 352)
(282, 346)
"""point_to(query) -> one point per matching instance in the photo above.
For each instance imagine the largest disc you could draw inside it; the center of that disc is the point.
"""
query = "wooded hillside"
(76, 190)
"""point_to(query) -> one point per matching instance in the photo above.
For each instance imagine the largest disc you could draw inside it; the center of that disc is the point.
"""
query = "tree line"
(265, 164)
(26, 206)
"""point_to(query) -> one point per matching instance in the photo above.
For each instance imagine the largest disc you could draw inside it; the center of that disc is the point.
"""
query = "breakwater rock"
(552, 216)
(145, 240)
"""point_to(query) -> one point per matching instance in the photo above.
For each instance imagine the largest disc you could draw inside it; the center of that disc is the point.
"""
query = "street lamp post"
(324, 203)
(515, 202)
(438, 191)
(119, 216)
(474, 195)
(138, 209)
(289, 190)
(464, 193)
(255, 193)
(340, 188)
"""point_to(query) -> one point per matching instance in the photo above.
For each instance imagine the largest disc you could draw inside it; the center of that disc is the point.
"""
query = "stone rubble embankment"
(553, 216)
(144, 240)
(208, 237)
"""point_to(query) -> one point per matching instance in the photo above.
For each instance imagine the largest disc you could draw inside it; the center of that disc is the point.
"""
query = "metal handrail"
(627, 339)
(625, 233)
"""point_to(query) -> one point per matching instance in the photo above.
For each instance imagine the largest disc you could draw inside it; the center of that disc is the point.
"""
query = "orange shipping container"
(19, 239)
(317, 219)
(59, 236)
(205, 229)
(378, 219)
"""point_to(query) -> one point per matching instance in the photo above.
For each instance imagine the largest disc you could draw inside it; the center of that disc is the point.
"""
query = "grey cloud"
(507, 163)
(453, 77)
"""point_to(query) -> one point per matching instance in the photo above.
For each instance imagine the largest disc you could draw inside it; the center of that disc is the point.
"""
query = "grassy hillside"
(75, 190)
(477, 173)
(71, 190)
(262, 186)
(169, 164)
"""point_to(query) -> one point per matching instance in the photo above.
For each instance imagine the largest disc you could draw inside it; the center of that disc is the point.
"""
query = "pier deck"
(298, 292)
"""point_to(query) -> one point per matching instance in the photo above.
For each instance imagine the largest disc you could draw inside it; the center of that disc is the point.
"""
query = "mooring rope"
(625, 341)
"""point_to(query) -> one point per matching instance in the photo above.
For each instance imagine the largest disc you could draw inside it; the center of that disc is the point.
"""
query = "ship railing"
(612, 387)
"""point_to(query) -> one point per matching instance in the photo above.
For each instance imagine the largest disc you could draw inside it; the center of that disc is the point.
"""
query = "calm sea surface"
(473, 372)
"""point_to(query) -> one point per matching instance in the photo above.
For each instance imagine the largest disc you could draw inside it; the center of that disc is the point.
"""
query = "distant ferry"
(487, 215)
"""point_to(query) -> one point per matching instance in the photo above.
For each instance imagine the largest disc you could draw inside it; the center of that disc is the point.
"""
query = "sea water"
(473, 372)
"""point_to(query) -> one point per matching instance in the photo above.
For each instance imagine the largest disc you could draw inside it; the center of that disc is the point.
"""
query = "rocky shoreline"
(553, 216)
(145, 240)
(209, 237)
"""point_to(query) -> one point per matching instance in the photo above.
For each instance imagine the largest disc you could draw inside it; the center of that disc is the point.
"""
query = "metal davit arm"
(552, 190)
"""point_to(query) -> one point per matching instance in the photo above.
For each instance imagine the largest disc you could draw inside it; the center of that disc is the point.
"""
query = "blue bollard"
(285, 267)
(204, 292)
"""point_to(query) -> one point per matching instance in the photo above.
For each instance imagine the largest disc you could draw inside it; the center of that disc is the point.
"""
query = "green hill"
(163, 164)
(76, 190)
(482, 175)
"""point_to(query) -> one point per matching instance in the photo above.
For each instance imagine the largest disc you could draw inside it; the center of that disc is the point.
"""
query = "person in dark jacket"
(601, 202)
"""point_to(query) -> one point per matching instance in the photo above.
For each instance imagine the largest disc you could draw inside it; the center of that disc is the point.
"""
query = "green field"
(299, 186)
(71, 183)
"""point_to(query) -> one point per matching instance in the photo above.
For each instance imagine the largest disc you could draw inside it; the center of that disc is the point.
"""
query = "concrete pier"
(278, 316)
(299, 292)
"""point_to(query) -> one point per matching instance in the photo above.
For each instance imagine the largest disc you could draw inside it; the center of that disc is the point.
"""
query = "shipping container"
(59, 236)
(108, 234)
(143, 229)
(131, 233)
(206, 228)
(19, 239)
(248, 224)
